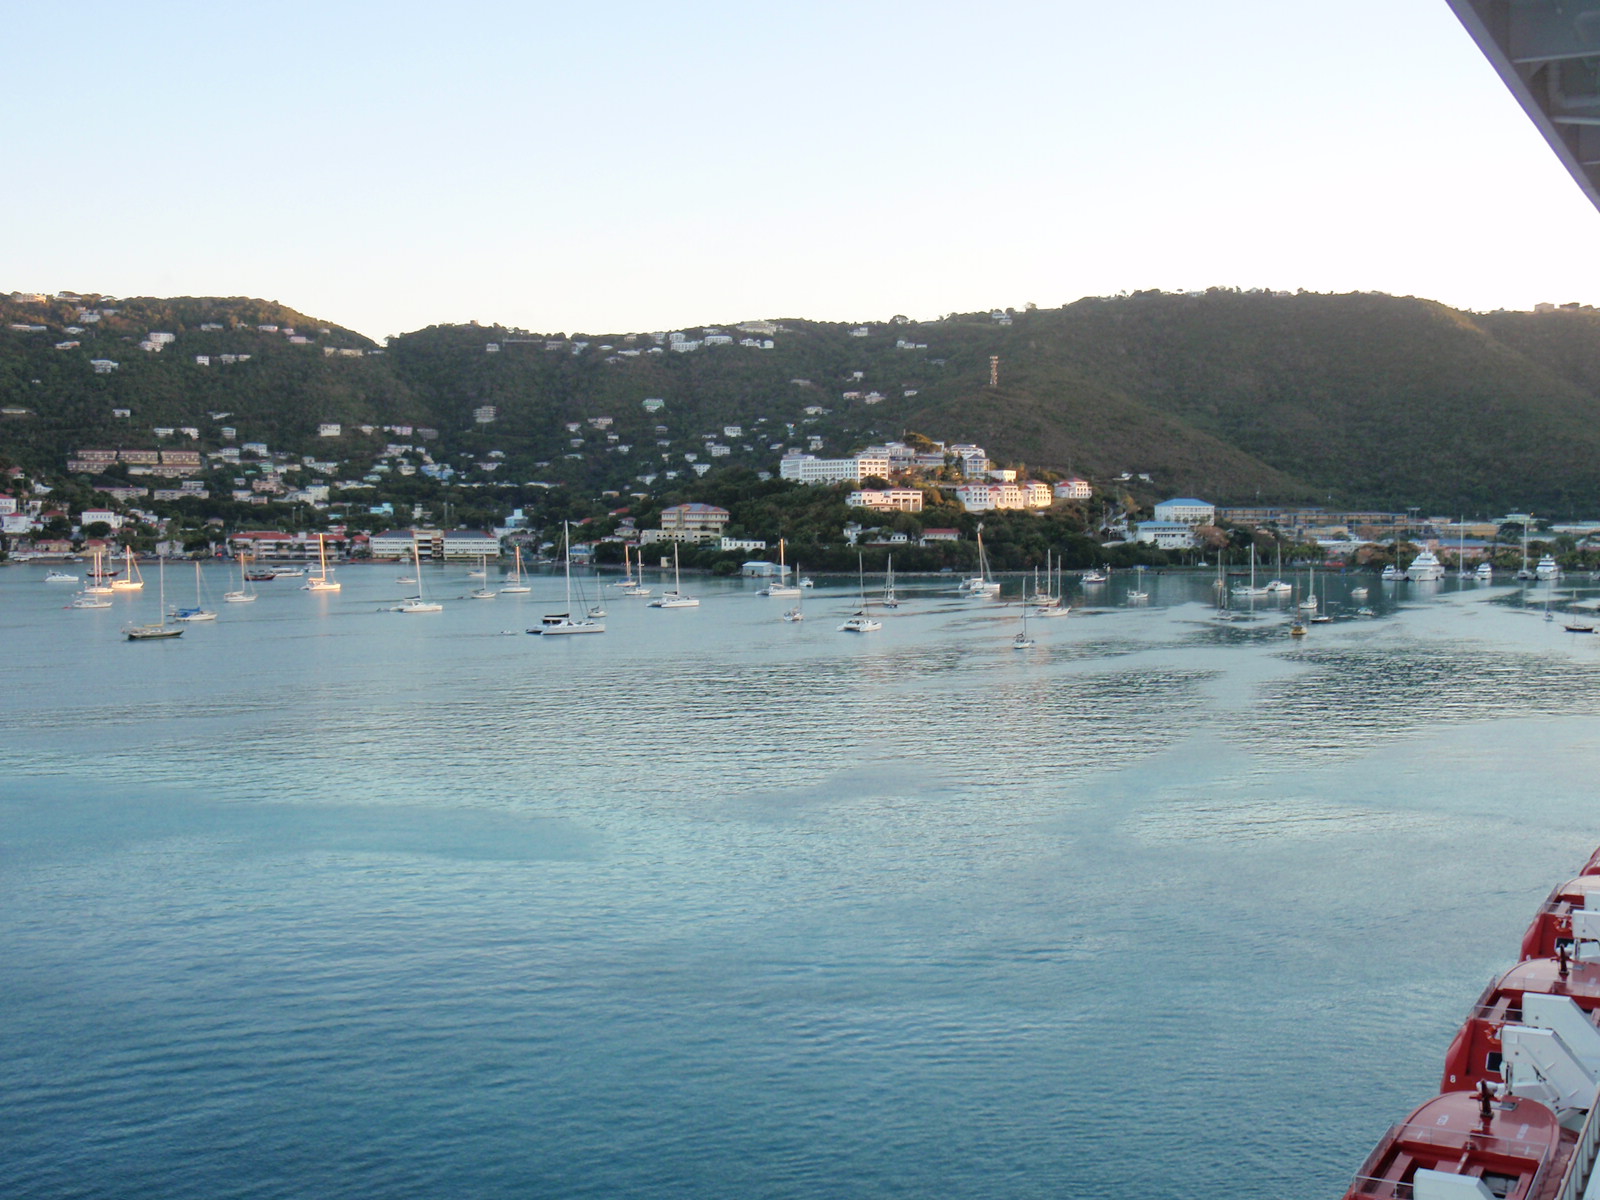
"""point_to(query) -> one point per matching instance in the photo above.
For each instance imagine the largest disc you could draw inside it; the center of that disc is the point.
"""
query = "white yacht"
(1547, 568)
(1424, 567)
(1484, 573)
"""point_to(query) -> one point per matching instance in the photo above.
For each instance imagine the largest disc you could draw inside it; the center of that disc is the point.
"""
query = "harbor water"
(324, 900)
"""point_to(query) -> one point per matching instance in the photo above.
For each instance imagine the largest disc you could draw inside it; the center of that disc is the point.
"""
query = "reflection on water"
(328, 900)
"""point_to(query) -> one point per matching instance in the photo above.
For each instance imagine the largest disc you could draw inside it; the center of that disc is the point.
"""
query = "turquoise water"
(324, 900)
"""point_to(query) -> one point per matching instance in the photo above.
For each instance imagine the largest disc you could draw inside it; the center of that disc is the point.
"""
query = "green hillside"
(1361, 400)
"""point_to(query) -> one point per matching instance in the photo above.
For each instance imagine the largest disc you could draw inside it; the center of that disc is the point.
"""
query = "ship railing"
(1413, 1137)
(1581, 1164)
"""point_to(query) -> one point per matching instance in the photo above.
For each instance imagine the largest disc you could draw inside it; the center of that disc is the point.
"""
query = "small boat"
(1093, 576)
(60, 577)
(1484, 573)
(1134, 597)
(1297, 628)
(89, 600)
(1358, 593)
(1364, 611)
(1320, 619)
(675, 598)
(794, 614)
(806, 582)
(288, 572)
(1578, 628)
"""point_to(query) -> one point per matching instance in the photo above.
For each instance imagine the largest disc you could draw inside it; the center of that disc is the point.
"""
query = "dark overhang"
(1548, 54)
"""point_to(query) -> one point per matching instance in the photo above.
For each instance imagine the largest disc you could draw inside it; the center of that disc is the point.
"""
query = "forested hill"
(1367, 400)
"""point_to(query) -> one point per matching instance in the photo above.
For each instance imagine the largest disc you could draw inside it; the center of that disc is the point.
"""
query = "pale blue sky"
(628, 166)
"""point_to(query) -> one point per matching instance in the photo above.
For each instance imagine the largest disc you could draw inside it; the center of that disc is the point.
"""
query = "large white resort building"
(883, 461)
(807, 468)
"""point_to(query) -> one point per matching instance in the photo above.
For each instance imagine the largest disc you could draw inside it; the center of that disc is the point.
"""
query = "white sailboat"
(1309, 604)
(1022, 641)
(417, 603)
(1054, 604)
(98, 585)
(157, 630)
(675, 598)
(629, 585)
(320, 581)
(979, 584)
(485, 592)
(890, 600)
(1250, 589)
(517, 586)
(246, 592)
(566, 624)
(781, 586)
(860, 622)
(199, 612)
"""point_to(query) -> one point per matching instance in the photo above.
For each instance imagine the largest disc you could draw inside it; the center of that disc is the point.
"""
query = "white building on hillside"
(1166, 535)
(807, 468)
(1186, 511)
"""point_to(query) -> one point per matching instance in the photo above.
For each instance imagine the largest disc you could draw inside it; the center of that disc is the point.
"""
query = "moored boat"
(1425, 567)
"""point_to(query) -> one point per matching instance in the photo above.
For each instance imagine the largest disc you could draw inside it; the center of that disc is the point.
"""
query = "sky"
(629, 167)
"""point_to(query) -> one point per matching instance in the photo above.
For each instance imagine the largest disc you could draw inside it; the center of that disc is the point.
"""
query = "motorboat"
(1425, 567)
(1547, 568)
(860, 624)
(60, 577)
(1484, 573)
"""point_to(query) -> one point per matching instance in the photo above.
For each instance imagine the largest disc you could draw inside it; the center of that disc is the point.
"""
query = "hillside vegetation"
(1356, 400)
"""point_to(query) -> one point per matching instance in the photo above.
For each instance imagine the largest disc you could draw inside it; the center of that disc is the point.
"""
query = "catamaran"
(565, 623)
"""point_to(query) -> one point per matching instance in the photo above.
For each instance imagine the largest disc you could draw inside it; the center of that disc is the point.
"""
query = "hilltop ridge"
(1361, 399)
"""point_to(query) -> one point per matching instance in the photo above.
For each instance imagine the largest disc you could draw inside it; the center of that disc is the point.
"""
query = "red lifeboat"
(1552, 924)
(1474, 1054)
(1515, 1146)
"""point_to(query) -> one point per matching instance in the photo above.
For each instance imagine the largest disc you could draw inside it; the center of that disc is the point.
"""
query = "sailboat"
(782, 586)
(795, 613)
(1250, 589)
(98, 585)
(861, 623)
(1022, 641)
(980, 584)
(485, 592)
(675, 598)
(417, 604)
(1309, 604)
(516, 585)
(199, 612)
(1054, 603)
(889, 598)
(1277, 584)
(245, 593)
(565, 624)
(158, 629)
(629, 585)
(320, 581)
(132, 581)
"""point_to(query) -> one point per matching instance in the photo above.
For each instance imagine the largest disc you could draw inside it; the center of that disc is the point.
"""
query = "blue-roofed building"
(1187, 511)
